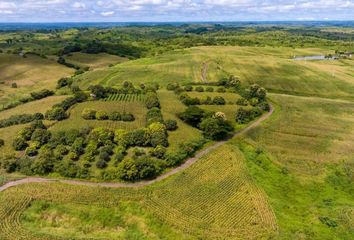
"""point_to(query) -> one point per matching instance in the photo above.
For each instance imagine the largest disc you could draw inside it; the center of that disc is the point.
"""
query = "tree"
(158, 152)
(41, 136)
(98, 90)
(13, 85)
(101, 115)
(171, 125)
(101, 136)
(193, 115)
(2, 142)
(19, 144)
(199, 89)
(157, 134)
(188, 88)
(243, 116)
(152, 100)
(209, 89)
(215, 128)
(88, 114)
(219, 100)
(56, 113)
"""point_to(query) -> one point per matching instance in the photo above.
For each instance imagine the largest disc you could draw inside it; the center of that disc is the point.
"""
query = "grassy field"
(94, 61)
(150, 213)
(272, 68)
(30, 74)
(171, 106)
(39, 106)
(138, 109)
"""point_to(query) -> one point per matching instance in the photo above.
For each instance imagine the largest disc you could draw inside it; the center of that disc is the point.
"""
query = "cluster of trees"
(215, 126)
(20, 119)
(91, 114)
(189, 88)
(41, 94)
(188, 101)
(256, 96)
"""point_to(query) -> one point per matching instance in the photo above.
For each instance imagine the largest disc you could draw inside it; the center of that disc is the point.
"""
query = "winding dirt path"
(185, 165)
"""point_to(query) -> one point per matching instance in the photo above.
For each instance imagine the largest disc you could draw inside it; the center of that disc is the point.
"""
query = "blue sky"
(173, 10)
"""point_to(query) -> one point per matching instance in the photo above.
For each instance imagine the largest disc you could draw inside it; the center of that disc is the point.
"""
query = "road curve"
(185, 165)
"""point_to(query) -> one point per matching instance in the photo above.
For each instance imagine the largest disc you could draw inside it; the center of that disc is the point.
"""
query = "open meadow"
(32, 73)
(94, 61)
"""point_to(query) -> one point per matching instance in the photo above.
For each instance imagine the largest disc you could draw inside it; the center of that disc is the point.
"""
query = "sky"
(173, 10)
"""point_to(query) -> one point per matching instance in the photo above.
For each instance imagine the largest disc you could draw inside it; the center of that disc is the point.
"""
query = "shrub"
(215, 128)
(41, 94)
(207, 101)
(158, 152)
(101, 115)
(127, 117)
(19, 144)
(135, 138)
(157, 134)
(41, 136)
(221, 90)
(255, 91)
(88, 114)
(152, 100)
(2, 142)
(31, 151)
(171, 125)
(242, 102)
(154, 115)
(26, 133)
(13, 85)
(172, 86)
(115, 116)
(20, 119)
(264, 106)
(243, 116)
(209, 89)
(99, 91)
(199, 89)
(192, 115)
(188, 88)
(101, 136)
(64, 82)
(219, 100)
(140, 168)
(56, 113)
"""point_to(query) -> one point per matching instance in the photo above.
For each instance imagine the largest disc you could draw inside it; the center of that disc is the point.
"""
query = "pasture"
(32, 73)
(94, 61)
(272, 68)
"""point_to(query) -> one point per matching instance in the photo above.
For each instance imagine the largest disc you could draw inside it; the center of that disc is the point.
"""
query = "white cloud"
(107, 14)
(79, 5)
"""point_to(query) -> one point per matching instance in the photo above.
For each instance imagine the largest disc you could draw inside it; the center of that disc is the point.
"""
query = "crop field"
(28, 74)
(149, 213)
(125, 98)
(39, 106)
(171, 106)
(138, 109)
(94, 61)
(272, 68)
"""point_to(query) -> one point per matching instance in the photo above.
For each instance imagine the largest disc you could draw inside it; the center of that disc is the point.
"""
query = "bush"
(221, 90)
(192, 115)
(154, 115)
(255, 91)
(135, 138)
(99, 91)
(188, 88)
(158, 152)
(215, 128)
(20, 119)
(209, 89)
(41, 94)
(101, 136)
(264, 106)
(13, 85)
(219, 100)
(157, 134)
(31, 151)
(199, 89)
(242, 102)
(243, 116)
(127, 117)
(41, 136)
(56, 113)
(19, 144)
(101, 115)
(115, 116)
(64, 82)
(2, 142)
(152, 100)
(88, 114)
(172, 86)
(137, 169)
(171, 125)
